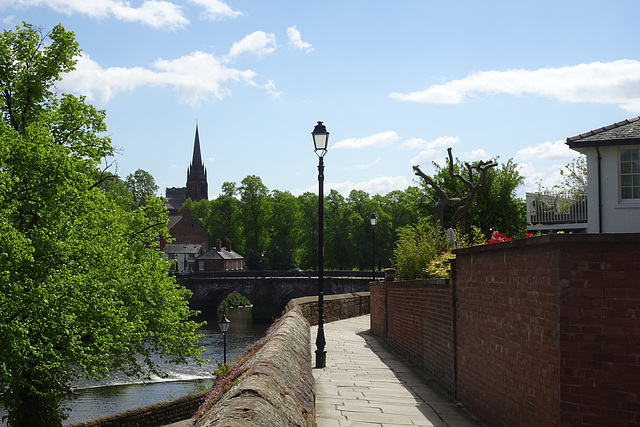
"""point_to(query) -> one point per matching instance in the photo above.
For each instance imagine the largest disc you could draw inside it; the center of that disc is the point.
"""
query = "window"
(630, 174)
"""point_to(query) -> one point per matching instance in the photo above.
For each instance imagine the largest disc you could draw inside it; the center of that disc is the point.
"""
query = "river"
(94, 399)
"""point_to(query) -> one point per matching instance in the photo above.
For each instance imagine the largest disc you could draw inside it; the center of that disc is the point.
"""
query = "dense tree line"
(277, 230)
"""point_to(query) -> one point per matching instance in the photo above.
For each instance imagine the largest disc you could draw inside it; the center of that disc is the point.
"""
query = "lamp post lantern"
(320, 140)
(374, 222)
(224, 327)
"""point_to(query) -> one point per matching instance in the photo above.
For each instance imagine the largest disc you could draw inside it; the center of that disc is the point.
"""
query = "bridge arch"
(269, 295)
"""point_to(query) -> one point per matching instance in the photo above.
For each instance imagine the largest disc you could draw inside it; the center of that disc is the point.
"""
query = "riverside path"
(363, 384)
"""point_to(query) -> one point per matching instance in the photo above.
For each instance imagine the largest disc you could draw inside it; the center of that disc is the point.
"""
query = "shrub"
(417, 246)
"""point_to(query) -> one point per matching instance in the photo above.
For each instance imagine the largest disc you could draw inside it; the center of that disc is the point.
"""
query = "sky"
(395, 82)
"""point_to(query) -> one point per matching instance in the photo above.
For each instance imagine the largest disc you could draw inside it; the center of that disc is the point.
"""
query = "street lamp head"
(320, 139)
(224, 323)
(374, 220)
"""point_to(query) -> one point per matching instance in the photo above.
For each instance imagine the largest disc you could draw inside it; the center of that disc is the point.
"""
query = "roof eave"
(576, 144)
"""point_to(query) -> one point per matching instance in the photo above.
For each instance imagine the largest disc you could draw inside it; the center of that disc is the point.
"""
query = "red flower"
(497, 237)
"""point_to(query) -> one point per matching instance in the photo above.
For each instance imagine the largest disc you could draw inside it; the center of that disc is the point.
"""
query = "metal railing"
(559, 208)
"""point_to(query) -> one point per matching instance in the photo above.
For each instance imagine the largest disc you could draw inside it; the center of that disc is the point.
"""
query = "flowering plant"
(497, 237)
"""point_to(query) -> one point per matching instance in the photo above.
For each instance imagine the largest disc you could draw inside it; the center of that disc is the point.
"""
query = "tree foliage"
(83, 292)
(142, 187)
(574, 176)
(495, 206)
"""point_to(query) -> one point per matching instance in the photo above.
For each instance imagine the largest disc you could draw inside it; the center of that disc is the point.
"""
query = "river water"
(93, 399)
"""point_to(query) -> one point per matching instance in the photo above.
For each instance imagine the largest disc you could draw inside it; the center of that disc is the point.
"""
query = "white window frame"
(634, 173)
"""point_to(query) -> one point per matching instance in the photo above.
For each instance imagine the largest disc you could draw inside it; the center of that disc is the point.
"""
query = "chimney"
(229, 244)
(218, 245)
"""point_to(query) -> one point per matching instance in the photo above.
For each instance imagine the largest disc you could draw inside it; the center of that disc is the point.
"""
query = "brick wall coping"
(555, 239)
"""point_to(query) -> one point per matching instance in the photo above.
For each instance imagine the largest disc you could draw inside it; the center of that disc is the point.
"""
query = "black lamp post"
(320, 140)
(224, 327)
(374, 222)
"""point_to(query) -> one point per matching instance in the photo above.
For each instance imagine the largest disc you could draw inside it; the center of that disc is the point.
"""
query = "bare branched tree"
(463, 202)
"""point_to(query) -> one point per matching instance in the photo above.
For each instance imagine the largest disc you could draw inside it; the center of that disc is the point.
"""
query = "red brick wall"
(600, 332)
(187, 230)
(546, 332)
(507, 333)
(419, 324)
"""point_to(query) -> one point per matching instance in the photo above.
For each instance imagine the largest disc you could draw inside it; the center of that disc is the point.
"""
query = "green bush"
(417, 246)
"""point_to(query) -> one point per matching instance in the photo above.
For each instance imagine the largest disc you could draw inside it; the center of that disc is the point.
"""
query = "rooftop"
(626, 130)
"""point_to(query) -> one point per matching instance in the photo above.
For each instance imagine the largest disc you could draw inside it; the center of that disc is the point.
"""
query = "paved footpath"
(363, 384)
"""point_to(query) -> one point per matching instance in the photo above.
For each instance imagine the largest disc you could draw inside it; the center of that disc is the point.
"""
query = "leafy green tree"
(254, 211)
(308, 243)
(83, 290)
(337, 238)
(284, 229)
(498, 206)
(115, 189)
(495, 206)
(575, 175)
(142, 186)
(220, 216)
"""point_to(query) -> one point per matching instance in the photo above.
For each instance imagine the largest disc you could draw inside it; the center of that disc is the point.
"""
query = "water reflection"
(119, 393)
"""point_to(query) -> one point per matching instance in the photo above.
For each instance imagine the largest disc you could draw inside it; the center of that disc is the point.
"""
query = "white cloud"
(419, 143)
(546, 151)
(295, 40)
(157, 14)
(539, 174)
(259, 42)
(431, 151)
(270, 87)
(216, 9)
(475, 155)
(616, 82)
(427, 156)
(381, 185)
(364, 166)
(377, 140)
(194, 77)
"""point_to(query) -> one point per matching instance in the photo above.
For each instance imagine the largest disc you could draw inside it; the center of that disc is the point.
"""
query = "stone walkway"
(363, 384)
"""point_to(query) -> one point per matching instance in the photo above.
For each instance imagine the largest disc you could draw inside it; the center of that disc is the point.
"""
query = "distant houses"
(190, 248)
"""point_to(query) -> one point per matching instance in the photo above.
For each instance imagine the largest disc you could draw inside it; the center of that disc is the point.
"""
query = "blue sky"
(396, 83)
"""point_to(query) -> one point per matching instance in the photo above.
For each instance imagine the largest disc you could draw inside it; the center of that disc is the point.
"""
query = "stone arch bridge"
(268, 293)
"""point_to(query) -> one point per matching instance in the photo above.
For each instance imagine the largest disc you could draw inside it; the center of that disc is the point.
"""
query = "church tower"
(197, 186)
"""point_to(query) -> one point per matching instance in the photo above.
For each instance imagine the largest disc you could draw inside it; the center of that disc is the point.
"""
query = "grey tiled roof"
(213, 253)
(618, 132)
(181, 248)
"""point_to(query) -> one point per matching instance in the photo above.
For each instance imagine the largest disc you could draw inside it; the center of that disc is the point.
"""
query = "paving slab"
(366, 385)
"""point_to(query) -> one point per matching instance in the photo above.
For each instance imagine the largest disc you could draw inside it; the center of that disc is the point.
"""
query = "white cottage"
(613, 176)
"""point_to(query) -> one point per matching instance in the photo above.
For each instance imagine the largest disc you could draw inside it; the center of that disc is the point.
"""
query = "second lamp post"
(374, 222)
(320, 140)
(224, 327)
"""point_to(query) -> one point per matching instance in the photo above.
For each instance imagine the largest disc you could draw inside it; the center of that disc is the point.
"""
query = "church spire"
(196, 161)
(197, 186)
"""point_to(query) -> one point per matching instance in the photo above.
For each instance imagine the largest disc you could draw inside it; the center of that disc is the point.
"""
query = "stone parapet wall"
(158, 414)
(336, 307)
(277, 388)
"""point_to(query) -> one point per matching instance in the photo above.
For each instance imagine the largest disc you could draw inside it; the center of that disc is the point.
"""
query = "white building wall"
(617, 216)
